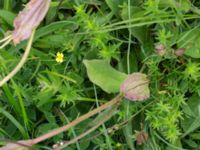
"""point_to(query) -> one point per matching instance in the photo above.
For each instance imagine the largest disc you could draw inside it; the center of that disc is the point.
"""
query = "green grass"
(102, 42)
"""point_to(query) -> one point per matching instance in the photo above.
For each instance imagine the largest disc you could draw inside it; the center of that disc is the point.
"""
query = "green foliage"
(100, 41)
(190, 40)
(102, 74)
(7, 16)
(164, 115)
(191, 121)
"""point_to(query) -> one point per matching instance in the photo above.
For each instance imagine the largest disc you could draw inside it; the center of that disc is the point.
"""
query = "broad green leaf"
(52, 13)
(7, 16)
(191, 143)
(190, 40)
(182, 5)
(141, 33)
(133, 62)
(195, 136)
(43, 31)
(192, 110)
(101, 73)
(51, 41)
(176, 145)
(50, 85)
(114, 5)
(90, 2)
(47, 127)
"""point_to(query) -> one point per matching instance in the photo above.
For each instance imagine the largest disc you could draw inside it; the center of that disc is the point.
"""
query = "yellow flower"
(59, 57)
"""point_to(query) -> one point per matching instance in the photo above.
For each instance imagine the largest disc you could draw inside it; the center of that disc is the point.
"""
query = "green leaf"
(7, 16)
(101, 116)
(141, 33)
(43, 31)
(12, 101)
(190, 40)
(101, 73)
(15, 122)
(183, 5)
(195, 136)
(114, 5)
(192, 120)
(51, 41)
(47, 127)
(52, 13)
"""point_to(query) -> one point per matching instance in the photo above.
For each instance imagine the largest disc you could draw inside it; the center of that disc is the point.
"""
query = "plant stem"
(128, 128)
(77, 121)
(88, 131)
(61, 114)
(21, 63)
(103, 125)
(7, 4)
(114, 101)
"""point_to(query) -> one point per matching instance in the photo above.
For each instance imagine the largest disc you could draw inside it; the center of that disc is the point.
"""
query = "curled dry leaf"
(141, 137)
(136, 87)
(28, 19)
(19, 145)
(179, 51)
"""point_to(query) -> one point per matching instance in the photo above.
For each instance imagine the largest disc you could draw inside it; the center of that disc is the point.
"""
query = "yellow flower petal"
(59, 57)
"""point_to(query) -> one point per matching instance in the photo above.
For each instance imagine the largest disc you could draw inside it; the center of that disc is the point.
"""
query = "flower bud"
(141, 137)
(160, 49)
(135, 87)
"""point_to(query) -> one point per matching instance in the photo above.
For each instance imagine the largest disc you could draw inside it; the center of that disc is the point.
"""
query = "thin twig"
(120, 125)
(113, 102)
(21, 63)
(77, 121)
(6, 43)
(87, 132)
(6, 38)
(13, 145)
